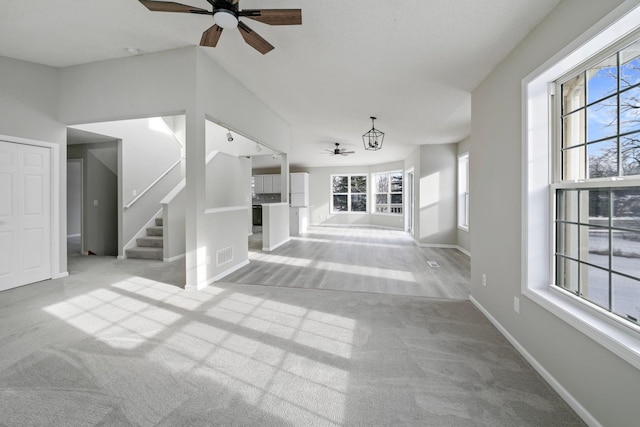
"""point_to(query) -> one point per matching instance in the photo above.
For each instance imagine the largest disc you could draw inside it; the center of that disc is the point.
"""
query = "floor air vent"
(433, 264)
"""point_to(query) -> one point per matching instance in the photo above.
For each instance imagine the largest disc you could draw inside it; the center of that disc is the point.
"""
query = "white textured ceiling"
(411, 63)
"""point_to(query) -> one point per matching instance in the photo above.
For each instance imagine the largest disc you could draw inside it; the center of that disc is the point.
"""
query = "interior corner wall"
(437, 190)
(28, 104)
(464, 236)
(603, 384)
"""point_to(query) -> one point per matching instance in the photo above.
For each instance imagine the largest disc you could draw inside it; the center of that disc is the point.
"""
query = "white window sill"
(621, 340)
(387, 214)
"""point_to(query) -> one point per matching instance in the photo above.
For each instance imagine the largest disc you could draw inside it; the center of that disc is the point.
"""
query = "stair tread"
(144, 249)
(144, 252)
(154, 231)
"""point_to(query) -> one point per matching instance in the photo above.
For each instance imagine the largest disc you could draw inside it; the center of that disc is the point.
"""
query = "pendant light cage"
(373, 139)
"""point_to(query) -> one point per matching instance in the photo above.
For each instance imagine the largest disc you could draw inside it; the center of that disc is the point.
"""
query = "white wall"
(602, 383)
(320, 197)
(28, 102)
(147, 151)
(228, 181)
(437, 189)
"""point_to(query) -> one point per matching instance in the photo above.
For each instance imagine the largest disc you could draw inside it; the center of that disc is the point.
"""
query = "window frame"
(560, 182)
(538, 187)
(389, 193)
(463, 192)
(332, 211)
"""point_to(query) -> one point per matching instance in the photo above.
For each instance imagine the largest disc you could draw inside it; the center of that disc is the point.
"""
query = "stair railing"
(150, 186)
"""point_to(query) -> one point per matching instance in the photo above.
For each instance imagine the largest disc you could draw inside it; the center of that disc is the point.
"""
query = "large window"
(348, 193)
(597, 187)
(388, 192)
(463, 191)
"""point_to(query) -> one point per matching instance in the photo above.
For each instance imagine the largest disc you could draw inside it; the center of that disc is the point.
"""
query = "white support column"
(196, 250)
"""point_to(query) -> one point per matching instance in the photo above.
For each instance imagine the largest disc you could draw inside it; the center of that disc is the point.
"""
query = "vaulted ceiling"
(411, 63)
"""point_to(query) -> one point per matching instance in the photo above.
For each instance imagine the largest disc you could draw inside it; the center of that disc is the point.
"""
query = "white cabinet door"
(299, 182)
(298, 199)
(277, 184)
(268, 183)
(258, 181)
(25, 229)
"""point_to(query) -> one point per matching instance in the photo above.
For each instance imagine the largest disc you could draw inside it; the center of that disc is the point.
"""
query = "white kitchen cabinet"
(267, 184)
(277, 183)
(299, 182)
(258, 184)
(299, 186)
(298, 220)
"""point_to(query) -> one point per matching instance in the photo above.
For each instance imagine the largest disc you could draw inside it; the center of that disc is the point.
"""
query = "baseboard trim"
(174, 258)
(73, 235)
(61, 275)
(443, 246)
(566, 396)
(216, 278)
(121, 257)
(464, 251)
(276, 246)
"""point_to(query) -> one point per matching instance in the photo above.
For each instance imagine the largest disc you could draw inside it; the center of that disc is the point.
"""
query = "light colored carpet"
(117, 344)
(358, 259)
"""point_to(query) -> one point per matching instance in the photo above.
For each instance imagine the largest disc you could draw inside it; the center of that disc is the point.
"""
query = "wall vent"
(224, 256)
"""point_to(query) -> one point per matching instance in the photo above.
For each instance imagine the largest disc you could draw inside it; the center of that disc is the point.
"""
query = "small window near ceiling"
(348, 193)
(388, 192)
(463, 191)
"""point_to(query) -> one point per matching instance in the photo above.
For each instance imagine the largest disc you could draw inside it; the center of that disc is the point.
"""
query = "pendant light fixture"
(372, 140)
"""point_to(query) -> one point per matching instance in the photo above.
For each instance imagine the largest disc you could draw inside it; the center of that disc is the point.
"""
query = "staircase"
(150, 246)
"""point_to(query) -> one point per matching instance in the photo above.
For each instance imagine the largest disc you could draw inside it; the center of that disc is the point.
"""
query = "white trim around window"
(349, 196)
(387, 202)
(463, 191)
(538, 127)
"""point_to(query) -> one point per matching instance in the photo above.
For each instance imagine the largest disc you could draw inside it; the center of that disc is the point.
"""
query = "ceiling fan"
(226, 15)
(339, 151)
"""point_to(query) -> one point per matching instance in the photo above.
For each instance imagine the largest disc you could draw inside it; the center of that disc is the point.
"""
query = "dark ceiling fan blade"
(253, 39)
(347, 152)
(211, 36)
(274, 16)
(170, 6)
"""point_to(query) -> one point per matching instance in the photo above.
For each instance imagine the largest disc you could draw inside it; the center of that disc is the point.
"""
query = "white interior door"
(25, 219)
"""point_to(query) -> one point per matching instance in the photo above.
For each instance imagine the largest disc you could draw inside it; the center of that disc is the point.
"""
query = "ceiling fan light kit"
(225, 19)
(373, 139)
(226, 15)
